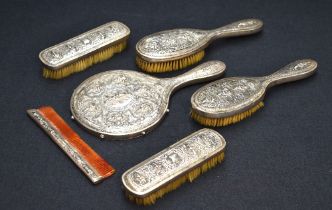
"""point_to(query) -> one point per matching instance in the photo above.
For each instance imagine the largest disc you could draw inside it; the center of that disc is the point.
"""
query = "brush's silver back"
(172, 43)
(227, 96)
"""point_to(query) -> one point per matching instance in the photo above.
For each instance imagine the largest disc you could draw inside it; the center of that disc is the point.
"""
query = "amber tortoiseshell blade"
(94, 166)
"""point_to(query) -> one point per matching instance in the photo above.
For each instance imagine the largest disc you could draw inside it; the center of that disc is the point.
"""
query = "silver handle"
(296, 70)
(204, 72)
(239, 28)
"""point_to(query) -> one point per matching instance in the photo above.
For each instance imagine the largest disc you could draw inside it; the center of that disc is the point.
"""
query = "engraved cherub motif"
(156, 168)
(139, 178)
(173, 159)
(189, 149)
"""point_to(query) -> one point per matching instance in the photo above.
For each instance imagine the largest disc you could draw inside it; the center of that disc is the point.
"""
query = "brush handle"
(239, 28)
(296, 70)
(205, 72)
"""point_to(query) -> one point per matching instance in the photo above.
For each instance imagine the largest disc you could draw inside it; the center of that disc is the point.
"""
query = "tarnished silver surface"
(230, 96)
(62, 142)
(172, 162)
(69, 51)
(122, 104)
(179, 43)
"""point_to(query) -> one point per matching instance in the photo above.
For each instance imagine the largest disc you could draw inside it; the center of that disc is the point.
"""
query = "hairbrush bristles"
(85, 62)
(214, 122)
(167, 66)
(190, 176)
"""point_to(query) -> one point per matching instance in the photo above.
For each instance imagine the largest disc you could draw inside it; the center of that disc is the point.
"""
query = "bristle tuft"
(85, 62)
(190, 176)
(159, 67)
(217, 122)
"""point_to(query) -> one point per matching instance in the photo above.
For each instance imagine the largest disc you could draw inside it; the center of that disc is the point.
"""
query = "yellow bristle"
(214, 122)
(158, 67)
(190, 176)
(85, 62)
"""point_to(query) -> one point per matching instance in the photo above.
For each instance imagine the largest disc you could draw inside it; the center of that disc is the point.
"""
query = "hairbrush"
(123, 104)
(178, 48)
(82, 51)
(230, 100)
(167, 170)
(93, 166)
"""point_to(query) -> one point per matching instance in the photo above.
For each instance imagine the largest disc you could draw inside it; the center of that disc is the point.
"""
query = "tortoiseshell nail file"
(94, 166)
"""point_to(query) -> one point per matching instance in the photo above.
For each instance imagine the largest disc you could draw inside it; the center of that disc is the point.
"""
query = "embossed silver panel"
(172, 162)
(123, 104)
(179, 43)
(230, 96)
(68, 51)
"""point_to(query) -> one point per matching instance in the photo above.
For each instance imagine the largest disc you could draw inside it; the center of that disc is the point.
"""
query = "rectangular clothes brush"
(93, 166)
(84, 50)
(167, 170)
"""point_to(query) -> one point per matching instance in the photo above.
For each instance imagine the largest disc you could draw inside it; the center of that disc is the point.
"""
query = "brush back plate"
(172, 44)
(69, 51)
(172, 162)
(228, 96)
(120, 104)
